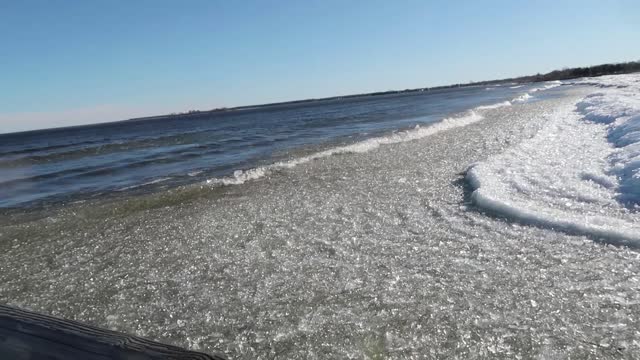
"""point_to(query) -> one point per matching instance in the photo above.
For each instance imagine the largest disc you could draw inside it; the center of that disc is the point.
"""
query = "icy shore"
(360, 254)
(580, 173)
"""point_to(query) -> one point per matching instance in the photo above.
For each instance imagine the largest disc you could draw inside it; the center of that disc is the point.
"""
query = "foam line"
(242, 176)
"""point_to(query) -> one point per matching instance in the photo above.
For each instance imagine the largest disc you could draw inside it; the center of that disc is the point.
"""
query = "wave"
(109, 166)
(195, 173)
(494, 106)
(519, 99)
(100, 148)
(242, 176)
(48, 148)
(579, 174)
(152, 182)
(548, 85)
(471, 116)
(522, 98)
(527, 96)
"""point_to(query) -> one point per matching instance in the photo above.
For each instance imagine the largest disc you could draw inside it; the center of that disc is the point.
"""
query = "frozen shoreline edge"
(575, 175)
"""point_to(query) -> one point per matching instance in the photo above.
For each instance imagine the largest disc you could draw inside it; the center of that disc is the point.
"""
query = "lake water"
(68, 164)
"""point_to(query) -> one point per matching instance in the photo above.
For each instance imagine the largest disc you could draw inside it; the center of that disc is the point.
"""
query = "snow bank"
(619, 107)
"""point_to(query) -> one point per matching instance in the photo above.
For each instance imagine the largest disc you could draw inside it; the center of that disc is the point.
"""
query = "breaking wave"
(471, 116)
(522, 98)
(494, 106)
(242, 176)
(548, 85)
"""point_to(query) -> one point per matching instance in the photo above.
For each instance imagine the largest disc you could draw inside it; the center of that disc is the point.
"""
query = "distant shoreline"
(564, 74)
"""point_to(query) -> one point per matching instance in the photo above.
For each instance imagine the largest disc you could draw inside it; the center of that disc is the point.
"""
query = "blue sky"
(75, 62)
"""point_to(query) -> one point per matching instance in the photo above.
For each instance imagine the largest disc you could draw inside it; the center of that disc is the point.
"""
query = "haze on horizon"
(70, 63)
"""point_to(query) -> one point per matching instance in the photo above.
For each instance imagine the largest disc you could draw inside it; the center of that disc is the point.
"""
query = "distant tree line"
(573, 73)
(564, 74)
(597, 70)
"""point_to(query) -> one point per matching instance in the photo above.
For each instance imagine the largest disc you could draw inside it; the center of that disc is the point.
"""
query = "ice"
(619, 108)
(578, 174)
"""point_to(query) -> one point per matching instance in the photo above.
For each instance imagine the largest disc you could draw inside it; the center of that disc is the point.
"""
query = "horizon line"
(518, 79)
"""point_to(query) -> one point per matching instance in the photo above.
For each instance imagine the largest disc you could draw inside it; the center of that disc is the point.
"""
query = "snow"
(579, 174)
(619, 108)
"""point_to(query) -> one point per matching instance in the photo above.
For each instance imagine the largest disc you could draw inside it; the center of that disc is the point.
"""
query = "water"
(61, 165)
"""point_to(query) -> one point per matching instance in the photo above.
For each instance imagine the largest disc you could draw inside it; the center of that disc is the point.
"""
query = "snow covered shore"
(580, 173)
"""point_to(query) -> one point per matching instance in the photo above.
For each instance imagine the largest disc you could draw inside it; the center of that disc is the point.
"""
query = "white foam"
(195, 173)
(242, 176)
(579, 174)
(547, 85)
(522, 98)
(526, 96)
(494, 106)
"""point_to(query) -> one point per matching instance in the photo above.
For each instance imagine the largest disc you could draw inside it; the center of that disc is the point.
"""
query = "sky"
(77, 62)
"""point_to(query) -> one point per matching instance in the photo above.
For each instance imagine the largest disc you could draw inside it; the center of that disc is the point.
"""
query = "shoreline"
(343, 256)
(282, 159)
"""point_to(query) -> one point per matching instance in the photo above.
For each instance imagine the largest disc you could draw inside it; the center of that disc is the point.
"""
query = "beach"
(379, 252)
